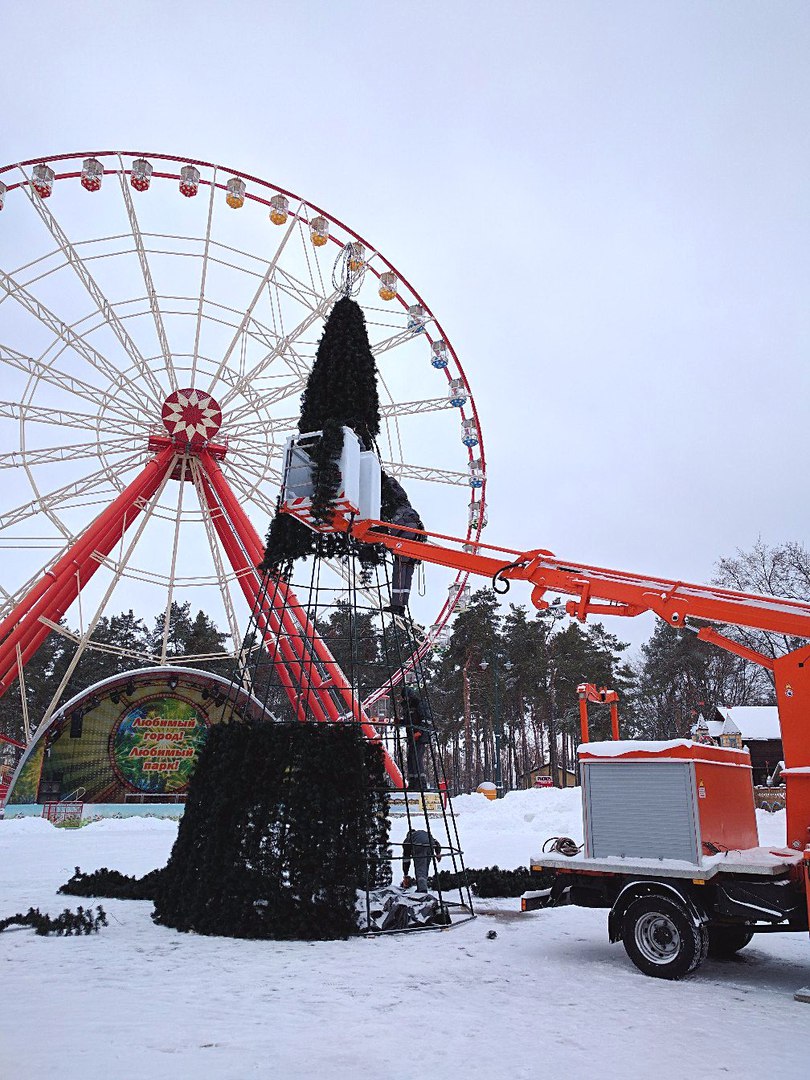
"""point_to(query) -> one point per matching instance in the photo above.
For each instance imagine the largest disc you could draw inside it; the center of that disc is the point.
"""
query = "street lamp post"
(497, 723)
(554, 613)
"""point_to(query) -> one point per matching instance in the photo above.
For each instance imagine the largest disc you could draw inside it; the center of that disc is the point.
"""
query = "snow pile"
(771, 828)
(507, 832)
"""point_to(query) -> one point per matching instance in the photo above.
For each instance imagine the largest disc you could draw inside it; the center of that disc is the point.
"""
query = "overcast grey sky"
(606, 204)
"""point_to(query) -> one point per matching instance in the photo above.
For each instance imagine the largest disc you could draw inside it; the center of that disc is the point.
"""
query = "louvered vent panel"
(640, 809)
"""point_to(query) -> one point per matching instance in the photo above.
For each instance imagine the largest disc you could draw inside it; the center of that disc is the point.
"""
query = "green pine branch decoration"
(68, 924)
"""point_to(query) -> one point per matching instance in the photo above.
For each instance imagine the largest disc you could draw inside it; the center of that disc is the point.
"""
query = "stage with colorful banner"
(134, 738)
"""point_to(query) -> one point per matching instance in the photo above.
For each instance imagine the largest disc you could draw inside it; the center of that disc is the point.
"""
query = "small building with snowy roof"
(756, 726)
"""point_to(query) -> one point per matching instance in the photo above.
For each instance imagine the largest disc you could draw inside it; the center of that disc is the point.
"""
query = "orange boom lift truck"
(671, 847)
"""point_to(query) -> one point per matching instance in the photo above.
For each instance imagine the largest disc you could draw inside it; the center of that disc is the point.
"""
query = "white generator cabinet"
(359, 492)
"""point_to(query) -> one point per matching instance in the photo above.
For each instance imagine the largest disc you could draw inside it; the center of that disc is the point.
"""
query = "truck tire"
(661, 937)
(725, 941)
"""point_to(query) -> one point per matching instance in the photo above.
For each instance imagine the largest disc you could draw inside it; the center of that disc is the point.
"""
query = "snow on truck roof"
(611, 749)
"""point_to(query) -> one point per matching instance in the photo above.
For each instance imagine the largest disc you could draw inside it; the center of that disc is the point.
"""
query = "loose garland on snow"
(67, 924)
(113, 885)
(492, 881)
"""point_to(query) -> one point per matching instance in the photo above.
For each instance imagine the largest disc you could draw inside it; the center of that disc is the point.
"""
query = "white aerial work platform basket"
(359, 491)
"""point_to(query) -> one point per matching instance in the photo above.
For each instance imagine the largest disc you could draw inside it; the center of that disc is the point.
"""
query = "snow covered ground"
(548, 995)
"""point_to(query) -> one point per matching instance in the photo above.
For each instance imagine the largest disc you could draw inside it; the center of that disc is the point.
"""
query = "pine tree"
(198, 636)
(682, 676)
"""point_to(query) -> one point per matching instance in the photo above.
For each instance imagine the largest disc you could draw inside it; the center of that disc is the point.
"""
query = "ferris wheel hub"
(191, 416)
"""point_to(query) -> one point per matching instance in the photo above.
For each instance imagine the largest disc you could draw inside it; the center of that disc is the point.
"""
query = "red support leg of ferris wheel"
(289, 667)
(284, 596)
(53, 594)
(29, 634)
(286, 600)
(303, 654)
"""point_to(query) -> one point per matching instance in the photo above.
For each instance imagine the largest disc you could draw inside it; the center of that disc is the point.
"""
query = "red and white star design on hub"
(191, 415)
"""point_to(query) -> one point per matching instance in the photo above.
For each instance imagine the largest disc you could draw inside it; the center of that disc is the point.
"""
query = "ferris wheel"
(154, 343)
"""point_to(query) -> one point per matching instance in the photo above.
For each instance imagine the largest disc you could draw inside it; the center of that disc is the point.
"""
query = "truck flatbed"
(770, 862)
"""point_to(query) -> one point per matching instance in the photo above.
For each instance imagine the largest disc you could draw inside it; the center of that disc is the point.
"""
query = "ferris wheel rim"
(175, 162)
(199, 162)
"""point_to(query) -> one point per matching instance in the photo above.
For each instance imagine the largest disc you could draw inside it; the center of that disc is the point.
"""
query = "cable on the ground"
(562, 844)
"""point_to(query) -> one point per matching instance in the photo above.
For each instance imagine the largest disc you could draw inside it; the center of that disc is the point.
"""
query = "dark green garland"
(492, 881)
(112, 884)
(67, 924)
(326, 474)
(342, 385)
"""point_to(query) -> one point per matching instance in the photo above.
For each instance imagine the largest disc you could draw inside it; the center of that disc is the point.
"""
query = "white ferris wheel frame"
(119, 416)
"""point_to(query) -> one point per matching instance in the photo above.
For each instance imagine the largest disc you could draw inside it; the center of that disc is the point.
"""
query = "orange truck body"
(721, 786)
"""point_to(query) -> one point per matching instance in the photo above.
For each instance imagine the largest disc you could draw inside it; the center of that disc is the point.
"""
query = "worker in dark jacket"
(416, 721)
(397, 509)
(419, 845)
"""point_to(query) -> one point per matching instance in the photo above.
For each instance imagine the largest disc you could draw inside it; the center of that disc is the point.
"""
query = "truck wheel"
(661, 938)
(725, 941)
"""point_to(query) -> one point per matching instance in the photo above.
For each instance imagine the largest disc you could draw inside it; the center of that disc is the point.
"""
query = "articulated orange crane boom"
(600, 591)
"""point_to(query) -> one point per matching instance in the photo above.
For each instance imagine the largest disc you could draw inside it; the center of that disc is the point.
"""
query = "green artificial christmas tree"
(341, 392)
(283, 824)
(342, 386)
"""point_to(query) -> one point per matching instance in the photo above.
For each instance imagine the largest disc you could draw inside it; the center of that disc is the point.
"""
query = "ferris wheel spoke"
(48, 502)
(303, 232)
(47, 372)
(143, 658)
(167, 619)
(258, 460)
(91, 286)
(268, 398)
(27, 300)
(403, 471)
(216, 555)
(11, 600)
(72, 452)
(258, 369)
(287, 424)
(203, 277)
(290, 286)
(392, 342)
(268, 274)
(66, 418)
(248, 487)
(271, 426)
(296, 363)
(147, 278)
(414, 408)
